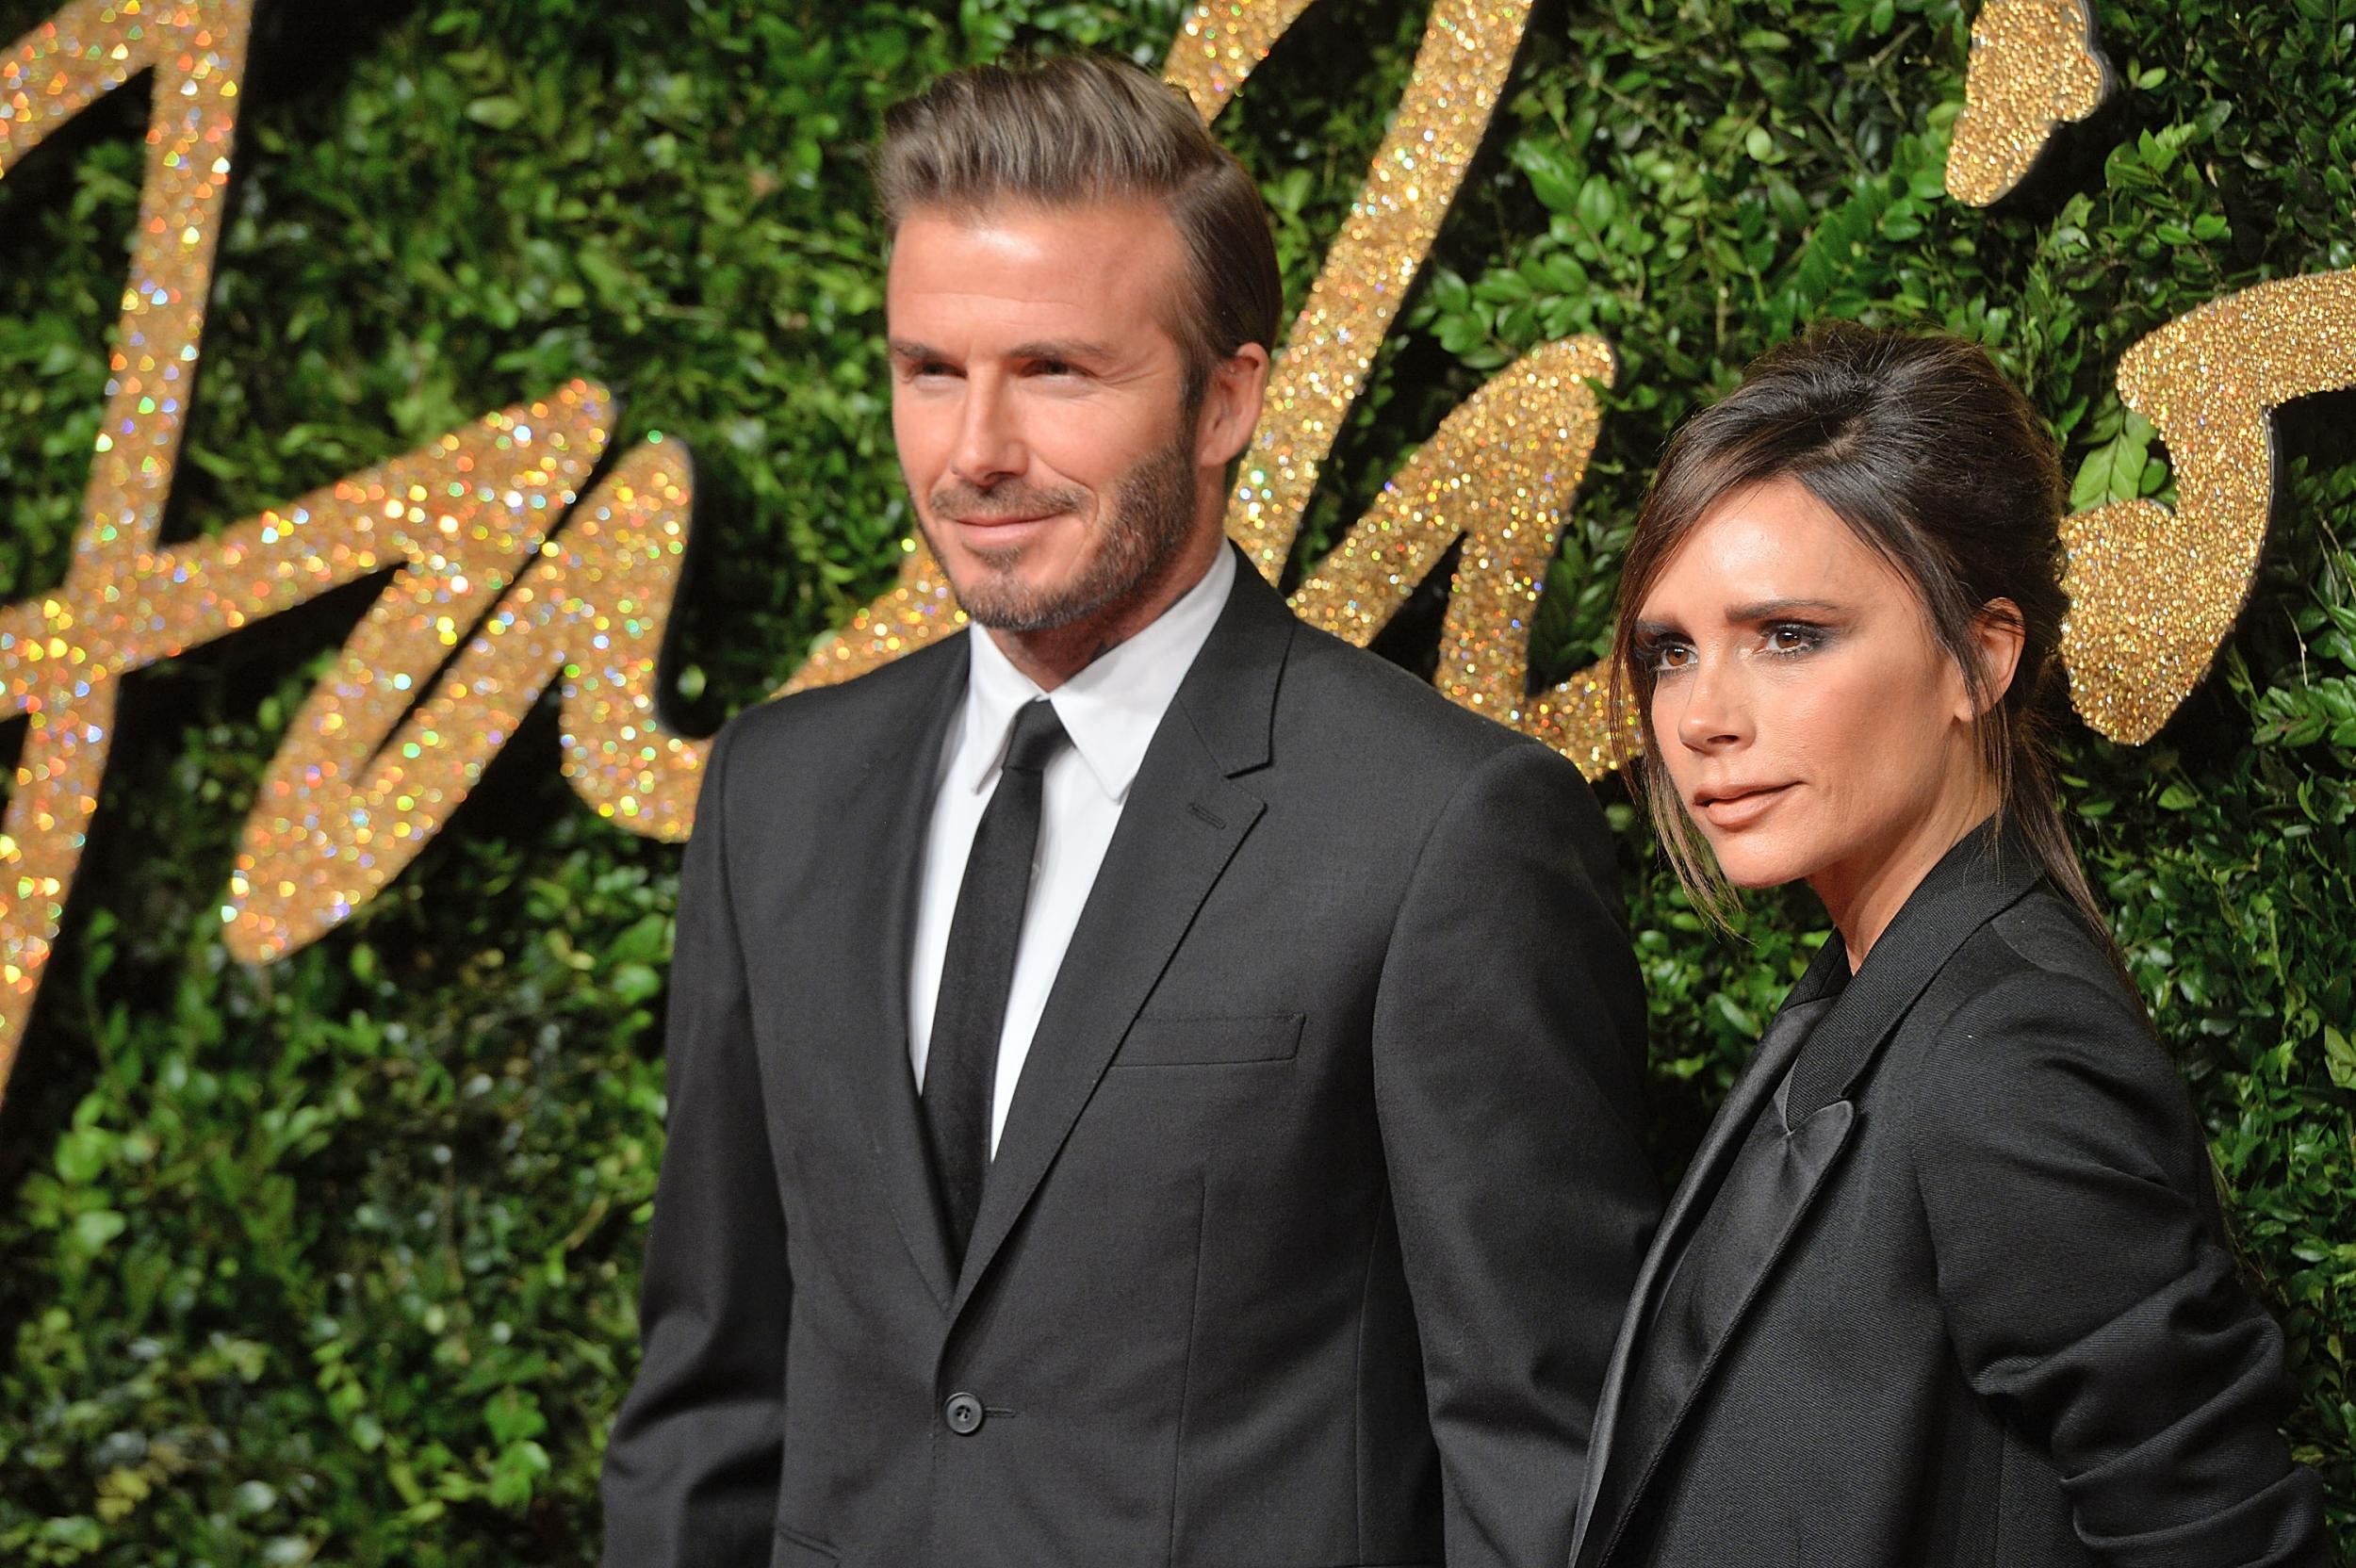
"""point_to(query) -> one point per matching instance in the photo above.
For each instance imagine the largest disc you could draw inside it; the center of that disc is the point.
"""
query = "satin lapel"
(885, 819)
(1766, 1068)
(1765, 1206)
(1182, 823)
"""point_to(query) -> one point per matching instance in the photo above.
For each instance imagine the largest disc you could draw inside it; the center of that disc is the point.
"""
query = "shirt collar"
(1111, 708)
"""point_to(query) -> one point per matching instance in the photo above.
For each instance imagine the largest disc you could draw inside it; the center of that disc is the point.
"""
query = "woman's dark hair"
(1939, 465)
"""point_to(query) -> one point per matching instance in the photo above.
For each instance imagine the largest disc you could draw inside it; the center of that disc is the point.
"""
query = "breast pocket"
(1156, 1040)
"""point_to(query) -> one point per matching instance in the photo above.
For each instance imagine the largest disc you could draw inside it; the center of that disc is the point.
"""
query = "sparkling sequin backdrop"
(503, 578)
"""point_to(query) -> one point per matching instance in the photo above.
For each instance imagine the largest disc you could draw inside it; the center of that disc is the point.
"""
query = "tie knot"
(1038, 736)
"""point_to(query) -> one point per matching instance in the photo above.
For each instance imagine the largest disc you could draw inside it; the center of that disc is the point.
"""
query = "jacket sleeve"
(2086, 1287)
(1509, 1061)
(692, 1469)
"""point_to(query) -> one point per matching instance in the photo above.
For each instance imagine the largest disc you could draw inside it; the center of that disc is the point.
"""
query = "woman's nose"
(1715, 716)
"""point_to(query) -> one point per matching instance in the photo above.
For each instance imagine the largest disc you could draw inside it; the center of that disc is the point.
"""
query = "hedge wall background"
(334, 1262)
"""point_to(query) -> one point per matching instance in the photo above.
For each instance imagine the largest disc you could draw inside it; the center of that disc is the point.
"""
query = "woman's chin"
(1752, 868)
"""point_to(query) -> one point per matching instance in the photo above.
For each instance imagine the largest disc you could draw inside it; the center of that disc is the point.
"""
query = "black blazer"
(1975, 1310)
(1311, 1222)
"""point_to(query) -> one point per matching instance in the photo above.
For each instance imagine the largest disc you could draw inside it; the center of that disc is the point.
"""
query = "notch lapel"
(885, 817)
(1978, 879)
(1178, 830)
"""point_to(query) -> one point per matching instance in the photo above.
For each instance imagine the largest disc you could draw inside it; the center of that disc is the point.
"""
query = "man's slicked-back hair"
(1079, 130)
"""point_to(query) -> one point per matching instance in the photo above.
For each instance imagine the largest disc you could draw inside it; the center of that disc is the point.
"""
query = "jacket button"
(963, 1413)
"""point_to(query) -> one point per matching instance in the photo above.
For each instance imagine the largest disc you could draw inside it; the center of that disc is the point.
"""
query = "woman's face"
(1811, 722)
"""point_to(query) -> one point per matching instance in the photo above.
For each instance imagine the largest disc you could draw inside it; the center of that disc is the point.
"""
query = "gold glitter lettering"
(2033, 65)
(196, 49)
(389, 745)
(2153, 591)
(362, 782)
(1498, 474)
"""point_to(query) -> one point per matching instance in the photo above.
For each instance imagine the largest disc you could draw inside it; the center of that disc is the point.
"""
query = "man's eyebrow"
(1767, 609)
(1061, 348)
(1049, 348)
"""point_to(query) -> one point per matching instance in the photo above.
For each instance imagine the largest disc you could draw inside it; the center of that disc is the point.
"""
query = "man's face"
(1037, 399)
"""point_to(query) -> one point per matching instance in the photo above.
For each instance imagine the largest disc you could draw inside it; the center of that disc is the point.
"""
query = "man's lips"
(1738, 805)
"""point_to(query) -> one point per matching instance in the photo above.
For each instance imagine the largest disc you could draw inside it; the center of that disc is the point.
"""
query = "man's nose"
(990, 446)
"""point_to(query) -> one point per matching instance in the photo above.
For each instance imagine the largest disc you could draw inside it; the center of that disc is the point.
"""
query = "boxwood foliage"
(334, 1261)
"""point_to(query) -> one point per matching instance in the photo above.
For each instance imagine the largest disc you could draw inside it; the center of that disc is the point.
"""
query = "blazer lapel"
(885, 815)
(1182, 823)
(1978, 879)
(1727, 1129)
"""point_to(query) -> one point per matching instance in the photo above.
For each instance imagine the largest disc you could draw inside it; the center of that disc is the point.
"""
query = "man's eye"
(1057, 367)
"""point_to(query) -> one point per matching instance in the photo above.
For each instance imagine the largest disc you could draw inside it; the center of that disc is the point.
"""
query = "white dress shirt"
(1110, 709)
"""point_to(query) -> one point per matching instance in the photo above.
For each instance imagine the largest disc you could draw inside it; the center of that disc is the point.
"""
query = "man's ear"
(1997, 635)
(1231, 406)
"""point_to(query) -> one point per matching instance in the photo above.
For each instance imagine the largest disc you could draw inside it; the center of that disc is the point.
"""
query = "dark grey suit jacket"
(1311, 1222)
(1976, 1311)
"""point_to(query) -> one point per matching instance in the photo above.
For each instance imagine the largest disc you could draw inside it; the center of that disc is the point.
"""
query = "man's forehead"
(1024, 275)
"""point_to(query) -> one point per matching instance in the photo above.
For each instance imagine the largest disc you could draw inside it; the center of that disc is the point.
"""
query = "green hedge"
(333, 1262)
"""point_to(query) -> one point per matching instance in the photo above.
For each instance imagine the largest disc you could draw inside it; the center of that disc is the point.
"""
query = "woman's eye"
(1669, 657)
(1794, 638)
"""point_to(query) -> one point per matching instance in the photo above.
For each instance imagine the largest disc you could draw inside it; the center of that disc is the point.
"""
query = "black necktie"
(961, 1061)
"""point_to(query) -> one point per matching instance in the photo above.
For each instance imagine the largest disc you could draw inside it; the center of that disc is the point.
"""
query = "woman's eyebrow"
(1767, 609)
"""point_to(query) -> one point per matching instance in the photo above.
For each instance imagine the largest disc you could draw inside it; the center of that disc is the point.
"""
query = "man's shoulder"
(849, 714)
(1353, 703)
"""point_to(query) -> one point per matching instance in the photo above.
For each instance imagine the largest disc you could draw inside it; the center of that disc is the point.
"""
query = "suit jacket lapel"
(1182, 823)
(1978, 878)
(885, 815)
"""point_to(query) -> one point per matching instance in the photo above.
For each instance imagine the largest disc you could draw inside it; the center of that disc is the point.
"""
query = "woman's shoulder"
(2032, 965)
(2029, 1015)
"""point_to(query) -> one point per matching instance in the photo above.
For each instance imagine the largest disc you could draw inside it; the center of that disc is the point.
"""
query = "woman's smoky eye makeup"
(1660, 649)
(1791, 638)
(1664, 650)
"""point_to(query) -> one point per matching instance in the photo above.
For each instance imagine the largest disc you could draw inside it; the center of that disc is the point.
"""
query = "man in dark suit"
(1149, 1082)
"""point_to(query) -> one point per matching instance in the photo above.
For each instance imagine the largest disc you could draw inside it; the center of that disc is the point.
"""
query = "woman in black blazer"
(1946, 1283)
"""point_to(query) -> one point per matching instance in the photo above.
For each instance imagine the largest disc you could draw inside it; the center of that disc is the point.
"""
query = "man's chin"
(1001, 598)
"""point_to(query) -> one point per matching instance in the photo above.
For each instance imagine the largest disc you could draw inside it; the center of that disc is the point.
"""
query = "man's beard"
(1152, 515)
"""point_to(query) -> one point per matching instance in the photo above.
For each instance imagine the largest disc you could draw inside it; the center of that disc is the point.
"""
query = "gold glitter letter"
(197, 51)
(1498, 474)
(2033, 65)
(2153, 591)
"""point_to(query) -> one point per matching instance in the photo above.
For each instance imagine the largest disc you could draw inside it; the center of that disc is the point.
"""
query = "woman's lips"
(1740, 810)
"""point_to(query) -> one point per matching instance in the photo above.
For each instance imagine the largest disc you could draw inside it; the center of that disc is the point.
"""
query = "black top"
(1946, 1286)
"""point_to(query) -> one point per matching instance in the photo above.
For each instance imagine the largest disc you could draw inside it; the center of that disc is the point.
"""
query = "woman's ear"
(1997, 635)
